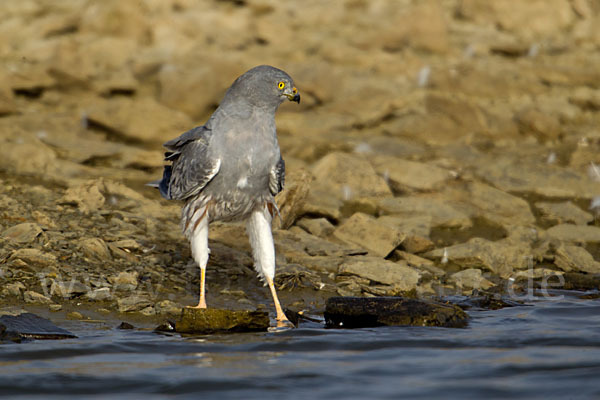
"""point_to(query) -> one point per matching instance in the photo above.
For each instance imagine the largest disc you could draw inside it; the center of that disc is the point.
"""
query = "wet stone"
(212, 320)
(30, 326)
(362, 312)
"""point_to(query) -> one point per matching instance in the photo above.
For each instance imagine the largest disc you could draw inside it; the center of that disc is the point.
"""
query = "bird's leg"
(282, 321)
(263, 251)
(200, 251)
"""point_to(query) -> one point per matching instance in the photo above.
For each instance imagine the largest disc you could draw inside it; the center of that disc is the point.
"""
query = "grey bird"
(231, 168)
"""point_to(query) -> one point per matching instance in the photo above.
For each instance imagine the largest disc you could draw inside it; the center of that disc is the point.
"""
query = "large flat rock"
(213, 320)
(30, 326)
(362, 312)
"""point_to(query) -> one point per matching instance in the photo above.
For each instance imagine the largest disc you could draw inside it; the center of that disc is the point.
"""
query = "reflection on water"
(550, 349)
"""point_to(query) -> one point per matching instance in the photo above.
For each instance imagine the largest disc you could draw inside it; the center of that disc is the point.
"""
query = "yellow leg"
(202, 302)
(282, 321)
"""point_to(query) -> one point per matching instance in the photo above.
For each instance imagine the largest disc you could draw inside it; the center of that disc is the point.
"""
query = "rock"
(387, 272)
(497, 206)
(406, 175)
(125, 325)
(27, 155)
(68, 289)
(470, 279)
(133, 303)
(291, 200)
(22, 233)
(55, 307)
(30, 326)
(565, 212)
(575, 233)
(34, 257)
(15, 289)
(442, 214)
(415, 229)
(498, 257)
(126, 281)
(346, 176)
(75, 315)
(360, 312)
(522, 176)
(87, 197)
(168, 307)
(32, 297)
(578, 281)
(321, 203)
(212, 320)
(100, 294)
(320, 227)
(95, 248)
(531, 19)
(294, 276)
(541, 125)
(365, 231)
(142, 120)
(575, 258)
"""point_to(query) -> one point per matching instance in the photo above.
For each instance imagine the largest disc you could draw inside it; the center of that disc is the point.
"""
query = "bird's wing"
(192, 167)
(277, 177)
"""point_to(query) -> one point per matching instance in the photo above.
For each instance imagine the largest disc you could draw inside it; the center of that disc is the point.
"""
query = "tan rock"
(565, 212)
(470, 279)
(575, 258)
(142, 120)
(320, 227)
(531, 19)
(575, 233)
(22, 233)
(32, 297)
(34, 257)
(382, 271)
(95, 248)
(87, 197)
(410, 175)
(539, 124)
(126, 281)
(292, 199)
(498, 257)
(365, 231)
(442, 213)
(345, 176)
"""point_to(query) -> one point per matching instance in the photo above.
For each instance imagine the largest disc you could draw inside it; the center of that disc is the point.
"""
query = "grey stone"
(100, 294)
(365, 231)
(68, 289)
(125, 281)
(14, 289)
(383, 271)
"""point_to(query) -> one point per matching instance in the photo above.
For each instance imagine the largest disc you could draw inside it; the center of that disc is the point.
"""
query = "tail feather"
(163, 184)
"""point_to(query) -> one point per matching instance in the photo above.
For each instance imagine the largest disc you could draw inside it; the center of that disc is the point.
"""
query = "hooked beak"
(293, 95)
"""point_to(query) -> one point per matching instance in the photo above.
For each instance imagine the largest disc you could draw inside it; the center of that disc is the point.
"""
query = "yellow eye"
(281, 85)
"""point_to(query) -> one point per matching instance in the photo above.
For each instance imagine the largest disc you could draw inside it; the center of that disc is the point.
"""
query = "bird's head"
(264, 86)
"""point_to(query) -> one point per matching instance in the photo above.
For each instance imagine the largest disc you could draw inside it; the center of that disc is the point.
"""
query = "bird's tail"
(163, 184)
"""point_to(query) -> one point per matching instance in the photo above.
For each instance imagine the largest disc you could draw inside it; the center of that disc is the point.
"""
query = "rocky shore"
(441, 148)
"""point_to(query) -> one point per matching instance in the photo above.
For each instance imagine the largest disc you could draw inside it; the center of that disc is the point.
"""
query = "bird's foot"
(201, 304)
(284, 323)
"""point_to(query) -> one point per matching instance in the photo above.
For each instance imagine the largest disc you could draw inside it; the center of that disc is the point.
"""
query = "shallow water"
(550, 349)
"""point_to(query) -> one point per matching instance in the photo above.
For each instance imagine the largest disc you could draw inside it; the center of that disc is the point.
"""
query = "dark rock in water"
(577, 281)
(30, 326)
(212, 320)
(362, 312)
(486, 302)
(168, 326)
(125, 325)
